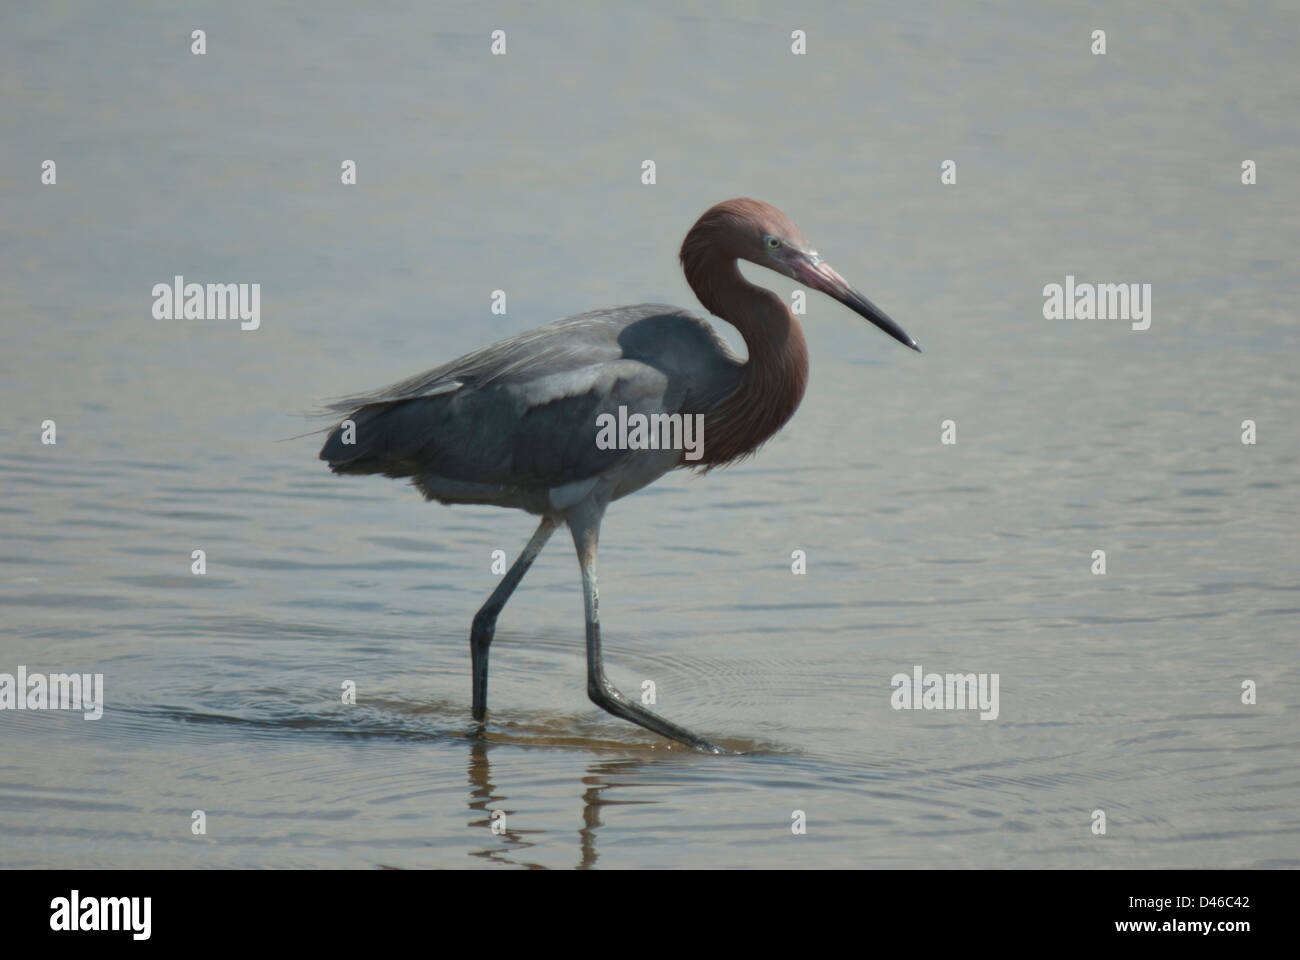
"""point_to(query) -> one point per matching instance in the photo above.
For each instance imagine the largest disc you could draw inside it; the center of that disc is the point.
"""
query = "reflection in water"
(600, 776)
(482, 793)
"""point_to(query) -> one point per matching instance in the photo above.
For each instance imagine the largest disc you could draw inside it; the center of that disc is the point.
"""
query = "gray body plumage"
(514, 424)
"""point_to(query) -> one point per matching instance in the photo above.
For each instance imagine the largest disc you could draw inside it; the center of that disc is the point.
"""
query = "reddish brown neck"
(772, 382)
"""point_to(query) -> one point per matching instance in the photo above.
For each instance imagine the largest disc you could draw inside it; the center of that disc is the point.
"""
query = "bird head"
(760, 233)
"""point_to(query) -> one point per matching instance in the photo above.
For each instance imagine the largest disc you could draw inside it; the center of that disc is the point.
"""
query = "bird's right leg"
(485, 621)
(585, 527)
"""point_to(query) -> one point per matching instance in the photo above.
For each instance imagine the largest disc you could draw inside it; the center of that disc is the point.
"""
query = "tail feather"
(365, 443)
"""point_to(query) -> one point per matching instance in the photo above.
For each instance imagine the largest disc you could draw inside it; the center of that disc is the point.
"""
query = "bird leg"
(485, 621)
(586, 531)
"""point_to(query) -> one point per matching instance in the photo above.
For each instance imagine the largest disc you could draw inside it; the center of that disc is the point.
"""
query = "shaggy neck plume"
(772, 382)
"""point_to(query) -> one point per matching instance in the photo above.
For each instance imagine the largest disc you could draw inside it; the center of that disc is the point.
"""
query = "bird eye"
(771, 241)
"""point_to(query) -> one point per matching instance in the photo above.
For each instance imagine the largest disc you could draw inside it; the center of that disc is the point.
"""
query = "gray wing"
(522, 412)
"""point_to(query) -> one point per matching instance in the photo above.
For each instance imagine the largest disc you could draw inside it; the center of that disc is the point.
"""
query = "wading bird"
(515, 424)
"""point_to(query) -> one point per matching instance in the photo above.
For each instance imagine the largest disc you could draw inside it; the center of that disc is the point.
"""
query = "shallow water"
(1119, 693)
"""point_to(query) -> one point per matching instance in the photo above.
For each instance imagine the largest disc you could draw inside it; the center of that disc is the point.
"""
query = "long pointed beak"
(814, 272)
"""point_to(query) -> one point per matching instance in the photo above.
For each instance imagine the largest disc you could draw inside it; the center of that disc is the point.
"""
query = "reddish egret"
(515, 424)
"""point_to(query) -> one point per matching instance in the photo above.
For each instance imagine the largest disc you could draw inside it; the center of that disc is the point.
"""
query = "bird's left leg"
(585, 527)
(485, 621)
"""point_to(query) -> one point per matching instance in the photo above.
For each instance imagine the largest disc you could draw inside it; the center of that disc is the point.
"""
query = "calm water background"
(1119, 693)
